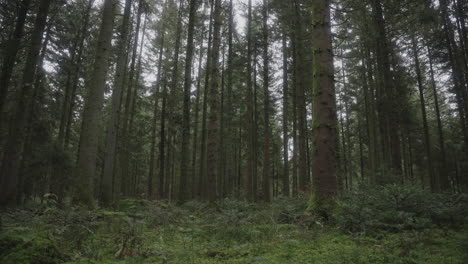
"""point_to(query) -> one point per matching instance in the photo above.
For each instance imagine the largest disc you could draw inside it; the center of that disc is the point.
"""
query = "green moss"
(131, 204)
(235, 233)
(321, 207)
(38, 250)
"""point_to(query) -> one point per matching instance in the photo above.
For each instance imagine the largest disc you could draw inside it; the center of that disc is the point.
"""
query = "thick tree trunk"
(107, 195)
(324, 156)
(86, 164)
(389, 105)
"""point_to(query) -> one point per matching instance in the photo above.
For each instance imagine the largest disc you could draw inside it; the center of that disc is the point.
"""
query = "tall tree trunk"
(443, 179)
(294, 115)
(195, 176)
(229, 105)
(266, 100)
(285, 118)
(184, 165)
(457, 74)
(249, 175)
(303, 180)
(107, 195)
(389, 101)
(212, 144)
(86, 164)
(16, 136)
(69, 108)
(324, 156)
(422, 100)
(202, 169)
(155, 117)
(255, 128)
(127, 120)
(162, 143)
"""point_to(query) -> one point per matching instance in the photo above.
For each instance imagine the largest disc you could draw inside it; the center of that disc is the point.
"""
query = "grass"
(231, 232)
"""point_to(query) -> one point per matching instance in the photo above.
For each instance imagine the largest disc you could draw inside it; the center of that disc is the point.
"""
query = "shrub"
(36, 250)
(397, 208)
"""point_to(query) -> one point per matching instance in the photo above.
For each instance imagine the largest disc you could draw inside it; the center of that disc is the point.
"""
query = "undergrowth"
(391, 224)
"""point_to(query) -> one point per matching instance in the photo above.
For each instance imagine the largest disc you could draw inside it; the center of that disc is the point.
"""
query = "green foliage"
(398, 208)
(38, 249)
(229, 232)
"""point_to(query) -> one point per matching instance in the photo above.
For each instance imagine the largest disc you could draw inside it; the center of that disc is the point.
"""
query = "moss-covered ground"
(228, 232)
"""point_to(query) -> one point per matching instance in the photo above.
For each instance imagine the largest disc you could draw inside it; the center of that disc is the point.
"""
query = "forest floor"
(228, 232)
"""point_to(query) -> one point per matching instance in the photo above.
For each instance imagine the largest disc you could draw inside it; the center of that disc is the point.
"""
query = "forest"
(233, 131)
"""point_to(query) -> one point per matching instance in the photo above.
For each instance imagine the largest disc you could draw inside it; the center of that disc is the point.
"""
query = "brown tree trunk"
(324, 156)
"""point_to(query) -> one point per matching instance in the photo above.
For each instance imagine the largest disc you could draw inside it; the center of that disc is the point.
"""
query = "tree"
(85, 171)
(17, 130)
(324, 156)
(10, 54)
(186, 112)
(285, 118)
(107, 195)
(266, 99)
(213, 126)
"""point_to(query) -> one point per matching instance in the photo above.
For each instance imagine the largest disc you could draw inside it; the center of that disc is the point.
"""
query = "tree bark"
(107, 195)
(86, 164)
(184, 165)
(285, 118)
(324, 156)
(213, 127)
(266, 100)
